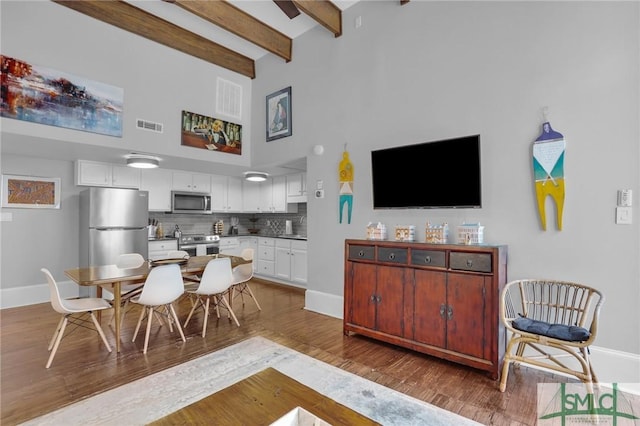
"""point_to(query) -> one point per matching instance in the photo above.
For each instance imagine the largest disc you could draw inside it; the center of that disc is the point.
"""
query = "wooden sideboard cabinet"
(438, 299)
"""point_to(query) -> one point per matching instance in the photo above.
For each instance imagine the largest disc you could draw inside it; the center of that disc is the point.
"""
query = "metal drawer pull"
(449, 312)
(469, 263)
(392, 256)
(361, 253)
(427, 259)
(442, 310)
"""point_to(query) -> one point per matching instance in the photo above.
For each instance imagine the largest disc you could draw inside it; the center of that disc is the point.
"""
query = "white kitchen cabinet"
(297, 188)
(250, 242)
(160, 249)
(266, 256)
(271, 197)
(230, 245)
(291, 260)
(158, 182)
(191, 182)
(226, 194)
(252, 197)
(93, 173)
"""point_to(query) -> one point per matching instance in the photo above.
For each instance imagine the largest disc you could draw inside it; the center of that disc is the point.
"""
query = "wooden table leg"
(116, 312)
(99, 295)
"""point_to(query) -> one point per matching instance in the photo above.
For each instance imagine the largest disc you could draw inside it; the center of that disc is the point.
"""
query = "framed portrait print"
(30, 192)
(279, 114)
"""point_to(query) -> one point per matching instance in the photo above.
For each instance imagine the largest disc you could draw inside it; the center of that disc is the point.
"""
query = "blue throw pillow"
(570, 333)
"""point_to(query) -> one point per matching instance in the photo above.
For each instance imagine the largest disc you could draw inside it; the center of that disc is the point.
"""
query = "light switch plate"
(623, 215)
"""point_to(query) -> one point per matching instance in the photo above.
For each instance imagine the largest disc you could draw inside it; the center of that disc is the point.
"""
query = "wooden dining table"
(97, 276)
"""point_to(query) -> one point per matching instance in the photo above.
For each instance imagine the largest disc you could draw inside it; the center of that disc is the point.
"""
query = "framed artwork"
(42, 95)
(279, 114)
(30, 192)
(213, 134)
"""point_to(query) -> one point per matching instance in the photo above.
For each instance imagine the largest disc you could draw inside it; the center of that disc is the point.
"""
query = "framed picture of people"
(279, 114)
(213, 134)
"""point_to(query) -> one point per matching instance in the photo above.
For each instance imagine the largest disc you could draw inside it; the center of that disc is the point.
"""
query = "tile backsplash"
(267, 223)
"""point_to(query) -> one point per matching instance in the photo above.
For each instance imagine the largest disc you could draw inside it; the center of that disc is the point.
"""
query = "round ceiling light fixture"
(256, 176)
(142, 161)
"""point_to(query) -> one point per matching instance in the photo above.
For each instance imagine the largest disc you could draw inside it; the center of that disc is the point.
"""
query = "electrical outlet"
(625, 198)
(319, 193)
(623, 215)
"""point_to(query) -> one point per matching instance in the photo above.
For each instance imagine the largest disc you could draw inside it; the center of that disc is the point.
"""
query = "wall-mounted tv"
(442, 174)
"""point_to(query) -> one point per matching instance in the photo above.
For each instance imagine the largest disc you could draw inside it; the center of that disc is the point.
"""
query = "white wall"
(432, 70)
(413, 73)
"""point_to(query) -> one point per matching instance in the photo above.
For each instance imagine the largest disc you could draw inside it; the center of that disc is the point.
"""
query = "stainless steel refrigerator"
(113, 221)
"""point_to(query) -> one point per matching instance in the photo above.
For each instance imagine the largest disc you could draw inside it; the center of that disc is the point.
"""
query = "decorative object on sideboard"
(437, 234)
(405, 233)
(376, 231)
(470, 233)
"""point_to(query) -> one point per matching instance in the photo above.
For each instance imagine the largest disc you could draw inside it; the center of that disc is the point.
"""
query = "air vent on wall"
(149, 125)
(228, 98)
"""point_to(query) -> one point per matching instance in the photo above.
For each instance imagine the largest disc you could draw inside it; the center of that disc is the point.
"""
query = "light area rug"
(155, 396)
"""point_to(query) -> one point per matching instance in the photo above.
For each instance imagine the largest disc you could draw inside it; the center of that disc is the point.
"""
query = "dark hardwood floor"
(83, 367)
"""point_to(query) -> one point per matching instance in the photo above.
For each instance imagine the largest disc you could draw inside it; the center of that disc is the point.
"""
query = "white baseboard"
(611, 366)
(39, 293)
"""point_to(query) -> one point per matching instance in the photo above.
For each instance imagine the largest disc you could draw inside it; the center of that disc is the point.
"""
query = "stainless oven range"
(199, 244)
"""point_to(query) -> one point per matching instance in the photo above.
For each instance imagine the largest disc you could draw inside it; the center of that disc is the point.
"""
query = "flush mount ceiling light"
(142, 161)
(256, 176)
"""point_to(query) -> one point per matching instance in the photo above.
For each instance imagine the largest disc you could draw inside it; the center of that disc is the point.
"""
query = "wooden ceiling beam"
(227, 16)
(137, 21)
(324, 12)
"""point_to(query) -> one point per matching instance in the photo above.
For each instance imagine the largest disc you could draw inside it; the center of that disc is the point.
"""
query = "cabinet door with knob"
(437, 299)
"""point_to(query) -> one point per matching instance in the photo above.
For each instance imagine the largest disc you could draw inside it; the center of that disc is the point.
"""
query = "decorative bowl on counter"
(253, 231)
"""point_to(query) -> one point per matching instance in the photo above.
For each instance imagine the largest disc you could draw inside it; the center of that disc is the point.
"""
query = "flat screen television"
(443, 174)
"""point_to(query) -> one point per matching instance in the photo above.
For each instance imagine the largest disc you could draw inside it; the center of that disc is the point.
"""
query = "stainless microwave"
(190, 202)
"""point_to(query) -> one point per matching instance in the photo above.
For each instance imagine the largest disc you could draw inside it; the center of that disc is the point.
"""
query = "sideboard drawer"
(393, 254)
(428, 258)
(361, 252)
(478, 262)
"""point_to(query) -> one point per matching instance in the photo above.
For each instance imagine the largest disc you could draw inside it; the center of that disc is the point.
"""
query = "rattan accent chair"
(549, 320)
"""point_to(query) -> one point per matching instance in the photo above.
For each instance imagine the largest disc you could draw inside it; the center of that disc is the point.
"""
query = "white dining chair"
(73, 311)
(162, 287)
(215, 282)
(242, 274)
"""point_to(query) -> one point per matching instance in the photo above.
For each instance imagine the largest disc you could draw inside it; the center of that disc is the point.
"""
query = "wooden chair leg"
(175, 317)
(100, 332)
(206, 317)
(146, 336)
(224, 301)
(253, 297)
(135, 333)
(57, 342)
(55, 335)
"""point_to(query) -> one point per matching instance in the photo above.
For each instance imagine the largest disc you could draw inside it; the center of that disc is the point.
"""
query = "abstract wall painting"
(30, 192)
(213, 134)
(42, 95)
